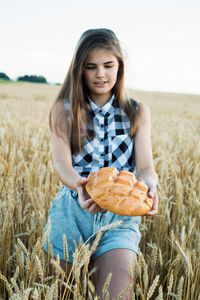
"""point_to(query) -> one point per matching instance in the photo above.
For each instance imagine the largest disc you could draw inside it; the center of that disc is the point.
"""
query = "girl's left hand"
(84, 199)
(152, 193)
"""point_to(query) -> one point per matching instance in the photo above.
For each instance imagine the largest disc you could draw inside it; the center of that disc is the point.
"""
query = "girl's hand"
(84, 199)
(152, 193)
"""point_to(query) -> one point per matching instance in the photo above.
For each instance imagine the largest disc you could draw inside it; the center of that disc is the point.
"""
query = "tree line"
(29, 78)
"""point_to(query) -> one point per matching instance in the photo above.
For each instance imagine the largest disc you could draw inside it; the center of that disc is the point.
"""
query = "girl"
(94, 124)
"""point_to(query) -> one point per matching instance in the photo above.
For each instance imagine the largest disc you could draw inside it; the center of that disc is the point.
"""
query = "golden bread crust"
(119, 192)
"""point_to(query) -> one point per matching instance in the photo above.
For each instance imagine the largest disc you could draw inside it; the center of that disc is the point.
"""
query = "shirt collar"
(107, 109)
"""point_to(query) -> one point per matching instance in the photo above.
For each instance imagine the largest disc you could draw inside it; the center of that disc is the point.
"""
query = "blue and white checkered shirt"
(111, 146)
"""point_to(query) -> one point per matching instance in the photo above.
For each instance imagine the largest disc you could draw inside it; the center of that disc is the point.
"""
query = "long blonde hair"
(75, 90)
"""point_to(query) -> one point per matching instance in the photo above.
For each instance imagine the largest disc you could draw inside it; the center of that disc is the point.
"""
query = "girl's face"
(100, 74)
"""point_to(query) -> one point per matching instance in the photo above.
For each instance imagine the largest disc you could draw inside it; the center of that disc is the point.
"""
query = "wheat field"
(169, 263)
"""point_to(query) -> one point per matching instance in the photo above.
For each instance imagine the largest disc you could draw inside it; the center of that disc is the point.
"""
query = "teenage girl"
(94, 124)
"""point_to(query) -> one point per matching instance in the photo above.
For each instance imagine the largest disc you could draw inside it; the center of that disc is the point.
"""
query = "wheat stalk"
(65, 248)
(180, 288)
(124, 291)
(153, 287)
(171, 279)
(160, 295)
(106, 284)
(5, 281)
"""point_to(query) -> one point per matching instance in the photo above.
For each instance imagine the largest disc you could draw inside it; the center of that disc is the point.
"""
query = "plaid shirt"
(111, 146)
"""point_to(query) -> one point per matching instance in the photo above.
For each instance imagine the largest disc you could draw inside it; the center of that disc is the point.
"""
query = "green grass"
(7, 81)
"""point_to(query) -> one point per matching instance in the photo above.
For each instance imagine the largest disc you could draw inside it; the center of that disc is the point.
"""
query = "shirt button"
(101, 140)
(100, 111)
(102, 154)
(102, 125)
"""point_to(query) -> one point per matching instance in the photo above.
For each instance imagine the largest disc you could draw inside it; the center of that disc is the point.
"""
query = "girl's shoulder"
(58, 110)
(144, 113)
(134, 100)
(142, 110)
(140, 105)
(58, 106)
(134, 103)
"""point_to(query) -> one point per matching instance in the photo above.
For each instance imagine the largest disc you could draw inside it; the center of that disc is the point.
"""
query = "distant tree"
(4, 76)
(32, 78)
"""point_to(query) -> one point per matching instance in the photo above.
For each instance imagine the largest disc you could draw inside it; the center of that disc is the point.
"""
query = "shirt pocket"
(122, 150)
(85, 157)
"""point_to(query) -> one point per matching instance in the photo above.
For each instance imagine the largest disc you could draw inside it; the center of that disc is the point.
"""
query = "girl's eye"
(93, 67)
(90, 68)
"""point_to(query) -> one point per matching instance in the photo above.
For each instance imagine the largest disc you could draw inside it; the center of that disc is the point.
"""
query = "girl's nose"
(100, 72)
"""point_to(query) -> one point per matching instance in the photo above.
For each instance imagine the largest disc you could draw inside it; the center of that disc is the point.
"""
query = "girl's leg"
(115, 261)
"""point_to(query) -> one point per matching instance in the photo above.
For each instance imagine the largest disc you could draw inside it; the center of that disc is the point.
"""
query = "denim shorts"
(68, 218)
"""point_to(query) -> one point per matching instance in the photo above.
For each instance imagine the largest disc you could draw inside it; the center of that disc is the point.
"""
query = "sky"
(160, 39)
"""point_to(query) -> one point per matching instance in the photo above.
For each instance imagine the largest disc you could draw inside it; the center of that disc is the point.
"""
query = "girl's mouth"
(101, 83)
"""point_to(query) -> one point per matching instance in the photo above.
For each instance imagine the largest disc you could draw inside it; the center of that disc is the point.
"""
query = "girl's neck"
(100, 100)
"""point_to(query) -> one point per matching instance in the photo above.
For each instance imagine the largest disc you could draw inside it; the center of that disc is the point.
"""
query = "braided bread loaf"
(119, 192)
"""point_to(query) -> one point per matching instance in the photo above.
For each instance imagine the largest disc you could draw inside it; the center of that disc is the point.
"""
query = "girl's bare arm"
(63, 162)
(143, 155)
(143, 149)
(61, 150)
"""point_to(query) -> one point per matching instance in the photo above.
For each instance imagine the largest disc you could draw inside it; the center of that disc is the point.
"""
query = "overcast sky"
(160, 38)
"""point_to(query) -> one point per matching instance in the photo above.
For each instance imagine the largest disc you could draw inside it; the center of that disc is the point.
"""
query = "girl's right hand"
(84, 199)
